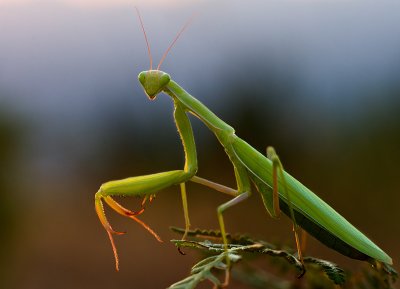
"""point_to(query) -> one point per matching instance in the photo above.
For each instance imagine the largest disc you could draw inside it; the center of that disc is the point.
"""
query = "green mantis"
(279, 190)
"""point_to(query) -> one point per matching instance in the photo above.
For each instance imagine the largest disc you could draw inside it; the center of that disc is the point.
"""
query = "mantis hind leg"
(277, 167)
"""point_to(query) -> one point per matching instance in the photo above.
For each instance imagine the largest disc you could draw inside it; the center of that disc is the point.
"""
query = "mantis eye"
(142, 77)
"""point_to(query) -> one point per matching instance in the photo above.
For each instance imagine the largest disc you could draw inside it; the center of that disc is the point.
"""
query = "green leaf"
(202, 271)
(333, 271)
(378, 275)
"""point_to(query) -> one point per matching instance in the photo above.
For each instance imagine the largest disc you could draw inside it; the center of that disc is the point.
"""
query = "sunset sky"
(97, 3)
(105, 3)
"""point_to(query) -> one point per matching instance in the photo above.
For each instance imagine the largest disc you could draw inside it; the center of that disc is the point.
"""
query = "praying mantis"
(279, 190)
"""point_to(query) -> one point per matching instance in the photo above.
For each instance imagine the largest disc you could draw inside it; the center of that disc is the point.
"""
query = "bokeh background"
(318, 80)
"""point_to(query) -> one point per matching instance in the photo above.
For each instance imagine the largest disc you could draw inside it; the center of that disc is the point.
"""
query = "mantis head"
(153, 82)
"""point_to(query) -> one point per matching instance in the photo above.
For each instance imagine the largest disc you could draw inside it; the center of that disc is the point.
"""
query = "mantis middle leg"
(207, 183)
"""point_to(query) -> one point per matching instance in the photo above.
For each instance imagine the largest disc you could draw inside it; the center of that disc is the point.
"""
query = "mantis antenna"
(145, 37)
(172, 43)
(176, 38)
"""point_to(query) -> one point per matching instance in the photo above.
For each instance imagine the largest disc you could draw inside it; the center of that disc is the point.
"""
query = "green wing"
(307, 203)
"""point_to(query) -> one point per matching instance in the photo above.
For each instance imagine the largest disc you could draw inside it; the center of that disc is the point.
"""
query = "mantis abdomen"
(311, 212)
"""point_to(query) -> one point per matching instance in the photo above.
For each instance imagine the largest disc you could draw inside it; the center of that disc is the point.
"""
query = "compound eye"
(142, 77)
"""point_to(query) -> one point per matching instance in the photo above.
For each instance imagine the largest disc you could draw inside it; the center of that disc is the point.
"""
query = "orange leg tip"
(116, 266)
(114, 248)
(140, 222)
(156, 236)
(116, 261)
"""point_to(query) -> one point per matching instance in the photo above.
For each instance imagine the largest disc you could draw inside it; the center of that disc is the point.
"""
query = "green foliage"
(320, 273)
(202, 271)
(336, 274)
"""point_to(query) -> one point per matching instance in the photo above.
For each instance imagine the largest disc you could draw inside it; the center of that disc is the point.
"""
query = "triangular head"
(153, 82)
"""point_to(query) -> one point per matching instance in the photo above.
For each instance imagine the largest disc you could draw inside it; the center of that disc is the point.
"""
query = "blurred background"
(318, 80)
